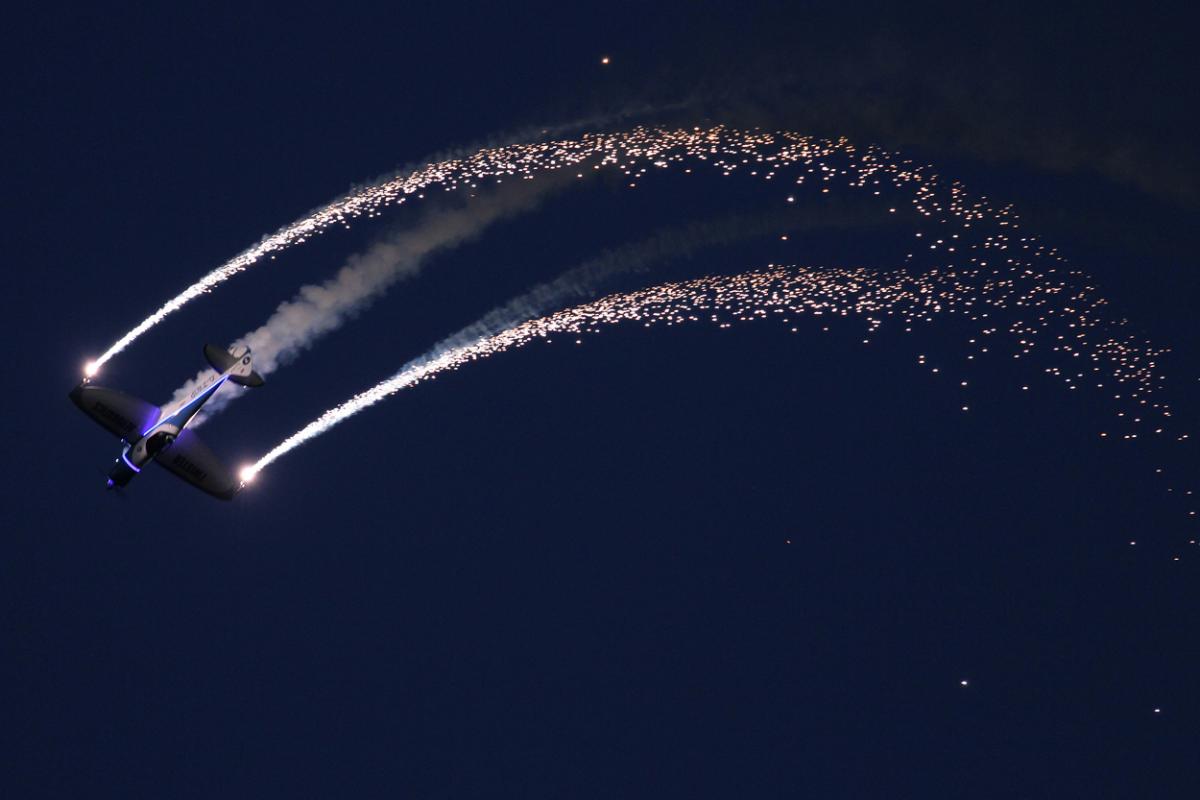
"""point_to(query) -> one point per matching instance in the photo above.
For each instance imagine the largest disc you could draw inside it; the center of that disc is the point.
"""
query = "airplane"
(150, 433)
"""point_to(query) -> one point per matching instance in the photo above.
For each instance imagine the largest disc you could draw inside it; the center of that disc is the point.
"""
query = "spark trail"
(781, 293)
(632, 153)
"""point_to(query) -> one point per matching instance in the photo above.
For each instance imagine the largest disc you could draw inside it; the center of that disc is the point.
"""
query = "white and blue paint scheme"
(151, 433)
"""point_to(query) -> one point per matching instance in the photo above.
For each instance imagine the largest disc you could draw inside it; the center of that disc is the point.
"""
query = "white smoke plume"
(318, 309)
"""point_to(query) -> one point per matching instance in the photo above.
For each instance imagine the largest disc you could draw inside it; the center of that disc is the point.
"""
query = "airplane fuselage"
(141, 451)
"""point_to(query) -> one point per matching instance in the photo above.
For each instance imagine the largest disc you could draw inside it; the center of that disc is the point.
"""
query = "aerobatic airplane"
(150, 433)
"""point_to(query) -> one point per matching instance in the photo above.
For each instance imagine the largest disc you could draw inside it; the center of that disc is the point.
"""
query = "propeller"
(112, 488)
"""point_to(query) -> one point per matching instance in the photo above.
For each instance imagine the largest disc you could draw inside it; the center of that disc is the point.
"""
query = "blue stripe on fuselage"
(181, 417)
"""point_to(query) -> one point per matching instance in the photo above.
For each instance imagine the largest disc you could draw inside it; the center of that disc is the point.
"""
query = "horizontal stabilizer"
(237, 359)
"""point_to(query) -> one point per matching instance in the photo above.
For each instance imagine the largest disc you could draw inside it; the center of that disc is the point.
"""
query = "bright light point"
(91, 368)
(964, 682)
(247, 473)
(605, 60)
(1158, 711)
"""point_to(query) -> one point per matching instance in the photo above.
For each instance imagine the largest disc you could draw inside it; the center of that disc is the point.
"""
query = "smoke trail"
(319, 309)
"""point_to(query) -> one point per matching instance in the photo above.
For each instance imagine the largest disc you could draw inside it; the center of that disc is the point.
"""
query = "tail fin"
(237, 361)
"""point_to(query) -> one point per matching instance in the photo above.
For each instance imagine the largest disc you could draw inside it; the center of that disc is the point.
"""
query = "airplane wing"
(190, 459)
(120, 413)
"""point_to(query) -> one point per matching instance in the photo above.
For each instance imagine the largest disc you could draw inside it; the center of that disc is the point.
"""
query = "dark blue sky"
(671, 563)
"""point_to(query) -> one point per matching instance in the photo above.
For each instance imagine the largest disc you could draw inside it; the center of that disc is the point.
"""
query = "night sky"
(676, 562)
